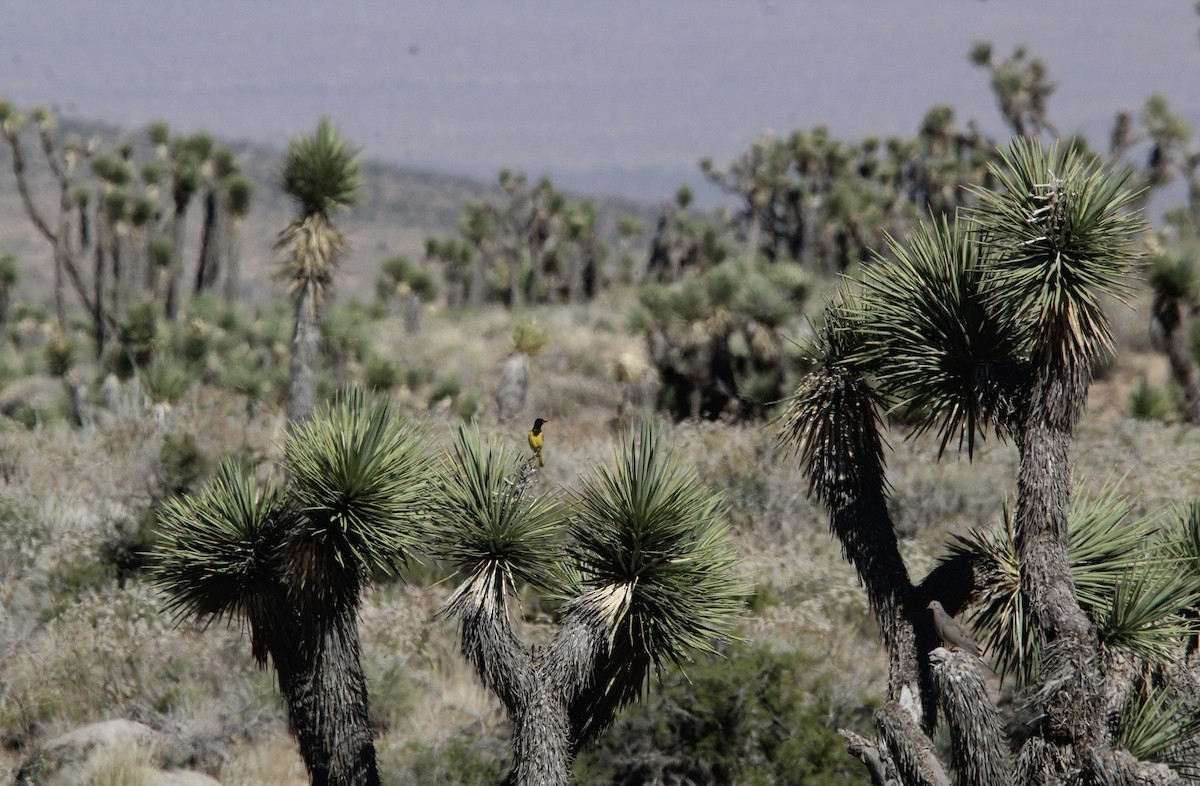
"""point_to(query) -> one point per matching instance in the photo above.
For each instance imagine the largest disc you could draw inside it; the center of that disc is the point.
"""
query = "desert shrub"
(9, 369)
(1147, 402)
(463, 758)
(346, 335)
(529, 337)
(755, 716)
(137, 333)
(165, 379)
(182, 464)
(381, 374)
(469, 404)
(60, 354)
(446, 387)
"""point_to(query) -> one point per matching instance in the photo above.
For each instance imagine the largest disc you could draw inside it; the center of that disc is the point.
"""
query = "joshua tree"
(529, 339)
(533, 245)
(715, 339)
(237, 195)
(412, 285)
(291, 562)
(1173, 278)
(321, 173)
(66, 231)
(648, 574)
(996, 323)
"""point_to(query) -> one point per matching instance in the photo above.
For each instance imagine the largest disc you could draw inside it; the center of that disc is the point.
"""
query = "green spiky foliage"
(833, 425)
(650, 525)
(1058, 231)
(1155, 721)
(359, 479)
(1127, 578)
(929, 335)
(654, 568)
(293, 562)
(1172, 274)
(218, 551)
(490, 527)
(647, 577)
(322, 174)
(165, 379)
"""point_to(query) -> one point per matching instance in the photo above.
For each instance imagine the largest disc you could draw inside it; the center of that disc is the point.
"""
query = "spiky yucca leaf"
(1154, 722)
(1001, 618)
(491, 525)
(928, 331)
(1183, 536)
(1059, 230)
(1146, 612)
(1126, 584)
(219, 546)
(653, 553)
(321, 172)
(832, 423)
(360, 478)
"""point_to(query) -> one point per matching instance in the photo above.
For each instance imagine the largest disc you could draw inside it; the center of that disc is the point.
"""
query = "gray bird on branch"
(953, 635)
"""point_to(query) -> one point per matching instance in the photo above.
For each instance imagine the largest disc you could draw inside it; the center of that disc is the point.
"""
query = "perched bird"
(951, 632)
(536, 437)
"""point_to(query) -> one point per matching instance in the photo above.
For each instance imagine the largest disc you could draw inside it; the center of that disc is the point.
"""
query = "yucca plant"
(1172, 277)
(647, 575)
(529, 339)
(1128, 578)
(322, 174)
(291, 562)
(1157, 724)
(990, 322)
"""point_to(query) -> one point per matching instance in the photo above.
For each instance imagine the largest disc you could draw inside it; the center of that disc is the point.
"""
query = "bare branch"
(876, 759)
(910, 749)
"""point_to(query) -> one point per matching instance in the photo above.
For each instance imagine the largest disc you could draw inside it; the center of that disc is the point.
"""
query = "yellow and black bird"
(536, 437)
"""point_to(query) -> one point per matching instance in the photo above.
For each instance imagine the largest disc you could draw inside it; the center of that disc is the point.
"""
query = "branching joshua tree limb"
(292, 563)
(648, 575)
(989, 323)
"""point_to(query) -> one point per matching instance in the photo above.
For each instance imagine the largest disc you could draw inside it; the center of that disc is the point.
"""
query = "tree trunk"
(477, 289)
(335, 703)
(306, 339)
(175, 273)
(1073, 701)
(98, 316)
(233, 261)
(1172, 319)
(514, 383)
(320, 676)
(978, 749)
(541, 734)
(208, 268)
